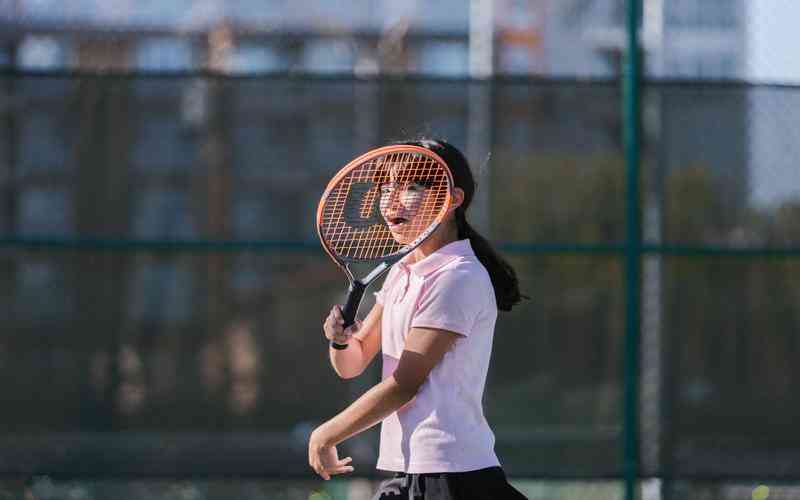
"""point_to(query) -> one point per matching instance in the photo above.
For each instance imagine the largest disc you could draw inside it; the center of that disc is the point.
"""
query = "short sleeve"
(453, 301)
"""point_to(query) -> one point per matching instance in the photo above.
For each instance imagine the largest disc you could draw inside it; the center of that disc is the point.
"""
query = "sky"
(774, 118)
(774, 48)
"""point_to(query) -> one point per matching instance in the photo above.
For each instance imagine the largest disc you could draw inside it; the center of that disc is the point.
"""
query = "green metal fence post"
(633, 250)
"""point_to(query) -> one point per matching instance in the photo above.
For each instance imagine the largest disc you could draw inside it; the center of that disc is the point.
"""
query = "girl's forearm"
(347, 362)
(372, 407)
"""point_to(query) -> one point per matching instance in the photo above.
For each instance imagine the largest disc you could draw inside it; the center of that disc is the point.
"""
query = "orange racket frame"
(391, 254)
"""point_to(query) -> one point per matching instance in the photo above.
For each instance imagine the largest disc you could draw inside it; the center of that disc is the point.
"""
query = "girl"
(433, 322)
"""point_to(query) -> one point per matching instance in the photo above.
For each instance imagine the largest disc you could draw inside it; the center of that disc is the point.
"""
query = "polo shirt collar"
(424, 267)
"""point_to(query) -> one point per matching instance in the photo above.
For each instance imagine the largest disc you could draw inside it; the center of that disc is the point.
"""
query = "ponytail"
(503, 276)
(504, 279)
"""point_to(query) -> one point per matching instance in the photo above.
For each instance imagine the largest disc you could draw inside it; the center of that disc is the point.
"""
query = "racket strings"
(371, 238)
(375, 243)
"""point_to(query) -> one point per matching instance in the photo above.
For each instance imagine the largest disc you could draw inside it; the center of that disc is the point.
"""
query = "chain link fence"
(161, 278)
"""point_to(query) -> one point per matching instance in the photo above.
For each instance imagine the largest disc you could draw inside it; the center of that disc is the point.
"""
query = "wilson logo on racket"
(362, 208)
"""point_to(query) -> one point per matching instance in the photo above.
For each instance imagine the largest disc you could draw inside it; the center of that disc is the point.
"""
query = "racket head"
(404, 183)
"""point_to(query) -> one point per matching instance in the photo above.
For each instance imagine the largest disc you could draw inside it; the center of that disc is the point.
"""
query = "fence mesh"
(179, 355)
(161, 286)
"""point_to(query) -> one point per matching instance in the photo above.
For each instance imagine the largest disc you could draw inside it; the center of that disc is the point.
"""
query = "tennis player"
(433, 322)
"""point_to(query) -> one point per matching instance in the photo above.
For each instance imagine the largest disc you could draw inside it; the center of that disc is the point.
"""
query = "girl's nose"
(393, 203)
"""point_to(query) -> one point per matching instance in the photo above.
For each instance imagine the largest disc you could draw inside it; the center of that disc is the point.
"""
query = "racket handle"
(354, 295)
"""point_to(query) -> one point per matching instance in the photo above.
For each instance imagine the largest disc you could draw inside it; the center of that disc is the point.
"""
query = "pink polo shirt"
(443, 428)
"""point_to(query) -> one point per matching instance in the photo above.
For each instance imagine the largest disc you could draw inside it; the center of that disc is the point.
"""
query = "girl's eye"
(415, 187)
(386, 189)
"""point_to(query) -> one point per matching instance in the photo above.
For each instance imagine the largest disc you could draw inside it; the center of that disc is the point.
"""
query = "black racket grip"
(354, 295)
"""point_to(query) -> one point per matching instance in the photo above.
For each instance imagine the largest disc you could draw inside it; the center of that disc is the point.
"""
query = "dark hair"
(503, 276)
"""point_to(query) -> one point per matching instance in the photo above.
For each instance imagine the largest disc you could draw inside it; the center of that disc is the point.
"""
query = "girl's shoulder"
(463, 271)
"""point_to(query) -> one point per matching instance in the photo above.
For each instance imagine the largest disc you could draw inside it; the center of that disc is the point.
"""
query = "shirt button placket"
(404, 284)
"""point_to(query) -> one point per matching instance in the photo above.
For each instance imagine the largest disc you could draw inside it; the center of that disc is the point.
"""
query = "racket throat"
(375, 273)
(356, 292)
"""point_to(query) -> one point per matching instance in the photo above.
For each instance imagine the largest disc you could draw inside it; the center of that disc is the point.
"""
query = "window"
(263, 147)
(255, 58)
(259, 218)
(43, 53)
(163, 214)
(163, 144)
(328, 56)
(42, 293)
(330, 139)
(247, 276)
(42, 142)
(5, 57)
(45, 212)
(443, 58)
(515, 59)
(161, 291)
(164, 54)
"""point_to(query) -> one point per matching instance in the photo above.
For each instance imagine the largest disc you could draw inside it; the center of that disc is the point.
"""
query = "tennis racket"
(377, 209)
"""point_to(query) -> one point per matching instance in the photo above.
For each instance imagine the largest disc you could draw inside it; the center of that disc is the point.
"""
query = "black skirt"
(483, 484)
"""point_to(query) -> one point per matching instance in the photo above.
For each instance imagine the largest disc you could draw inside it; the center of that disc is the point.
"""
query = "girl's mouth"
(396, 221)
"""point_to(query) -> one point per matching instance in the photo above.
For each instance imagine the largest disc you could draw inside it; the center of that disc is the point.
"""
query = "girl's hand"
(324, 459)
(334, 331)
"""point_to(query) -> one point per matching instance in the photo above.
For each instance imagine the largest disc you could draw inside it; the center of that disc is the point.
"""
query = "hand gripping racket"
(377, 209)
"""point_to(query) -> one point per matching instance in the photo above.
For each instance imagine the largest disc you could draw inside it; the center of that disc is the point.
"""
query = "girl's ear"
(457, 198)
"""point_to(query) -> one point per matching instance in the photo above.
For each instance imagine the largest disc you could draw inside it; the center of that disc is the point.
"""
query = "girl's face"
(402, 207)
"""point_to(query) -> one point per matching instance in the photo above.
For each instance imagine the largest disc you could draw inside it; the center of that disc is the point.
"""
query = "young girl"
(433, 322)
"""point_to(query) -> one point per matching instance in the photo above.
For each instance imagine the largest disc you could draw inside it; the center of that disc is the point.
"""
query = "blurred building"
(185, 158)
(146, 137)
(683, 40)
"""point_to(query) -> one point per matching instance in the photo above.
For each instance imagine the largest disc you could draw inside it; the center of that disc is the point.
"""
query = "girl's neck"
(444, 235)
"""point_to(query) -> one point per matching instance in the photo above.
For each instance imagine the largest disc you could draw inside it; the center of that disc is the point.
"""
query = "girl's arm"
(362, 346)
(424, 348)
